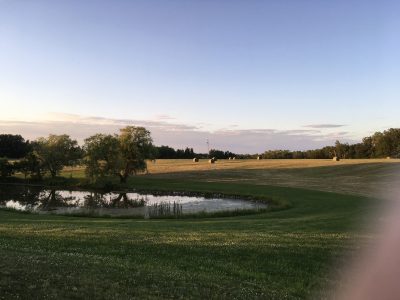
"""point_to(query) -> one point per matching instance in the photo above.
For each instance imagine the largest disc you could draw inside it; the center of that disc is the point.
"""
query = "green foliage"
(219, 154)
(386, 143)
(379, 145)
(30, 165)
(56, 151)
(277, 154)
(166, 152)
(123, 155)
(135, 146)
(103, 156)
(13, 146)
(6, 168)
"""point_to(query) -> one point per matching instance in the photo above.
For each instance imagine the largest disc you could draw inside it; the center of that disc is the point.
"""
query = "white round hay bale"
(195, 159)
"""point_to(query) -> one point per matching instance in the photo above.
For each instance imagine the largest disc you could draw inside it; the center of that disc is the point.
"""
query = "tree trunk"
(116, 200)
(125, 173)
(123, 178)
(39, 175)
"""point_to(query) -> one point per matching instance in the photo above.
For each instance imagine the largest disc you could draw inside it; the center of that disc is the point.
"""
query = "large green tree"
(56, 151)
(122, 155)
(136, 146)
(386, 143)
(102, 155)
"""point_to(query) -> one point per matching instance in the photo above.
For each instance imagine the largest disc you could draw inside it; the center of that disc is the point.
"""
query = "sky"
(247, 75)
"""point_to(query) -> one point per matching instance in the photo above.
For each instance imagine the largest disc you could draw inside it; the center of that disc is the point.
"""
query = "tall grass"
(164, 209)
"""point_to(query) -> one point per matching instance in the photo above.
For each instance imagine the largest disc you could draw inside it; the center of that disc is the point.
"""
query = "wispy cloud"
(164, 117)
(161, 123)
(324, 126)
(177, 134)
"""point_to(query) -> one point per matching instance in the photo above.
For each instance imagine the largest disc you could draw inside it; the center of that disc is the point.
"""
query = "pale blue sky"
(212, 65)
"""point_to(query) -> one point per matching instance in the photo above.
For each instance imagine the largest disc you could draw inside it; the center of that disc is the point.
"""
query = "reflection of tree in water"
(93, 200)
(39, 198)
(28, 196)
(123, 201)
(8, 193)
(31, 197)
(35, 197)
(120, 200)
(54, 199)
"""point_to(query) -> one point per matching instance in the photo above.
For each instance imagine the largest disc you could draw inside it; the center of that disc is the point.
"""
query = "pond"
(45, 201)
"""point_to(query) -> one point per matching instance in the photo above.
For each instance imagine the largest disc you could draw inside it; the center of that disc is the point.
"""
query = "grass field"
(285, 254)
(353, 176)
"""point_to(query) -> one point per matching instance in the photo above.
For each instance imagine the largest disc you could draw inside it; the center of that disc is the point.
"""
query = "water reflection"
(40, 200)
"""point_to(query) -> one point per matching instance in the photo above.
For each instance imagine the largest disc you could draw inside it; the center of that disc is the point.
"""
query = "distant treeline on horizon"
(379, 145)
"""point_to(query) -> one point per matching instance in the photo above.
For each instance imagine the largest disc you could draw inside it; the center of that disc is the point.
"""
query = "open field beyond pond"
(291, 253)
(352, 176)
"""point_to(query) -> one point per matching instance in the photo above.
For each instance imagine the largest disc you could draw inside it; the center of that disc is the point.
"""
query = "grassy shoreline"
(156, 188)
(285, 254)
(281, 254)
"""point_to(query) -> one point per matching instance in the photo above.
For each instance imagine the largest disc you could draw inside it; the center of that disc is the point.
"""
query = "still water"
(44, 201)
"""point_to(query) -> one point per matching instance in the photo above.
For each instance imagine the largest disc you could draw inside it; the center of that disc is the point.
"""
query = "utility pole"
(208, 147)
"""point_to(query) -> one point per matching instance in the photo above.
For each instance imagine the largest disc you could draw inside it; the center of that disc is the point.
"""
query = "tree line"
(166, 152)
(102, 155)
(126, 153)
(379, 145)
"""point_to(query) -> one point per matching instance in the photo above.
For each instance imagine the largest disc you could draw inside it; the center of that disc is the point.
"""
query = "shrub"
(6, 168)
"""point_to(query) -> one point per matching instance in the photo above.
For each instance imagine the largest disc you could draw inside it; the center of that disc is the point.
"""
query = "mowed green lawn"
(285, 254)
